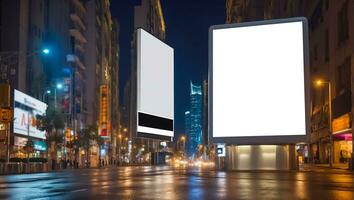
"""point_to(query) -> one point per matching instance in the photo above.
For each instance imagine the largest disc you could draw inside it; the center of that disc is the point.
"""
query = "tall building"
(331, 38)
(194, 137)
(252, 10)
(21, 41)
(149, 16)
(331, 58)
(115, 113)
(102, 58)
(23, 34)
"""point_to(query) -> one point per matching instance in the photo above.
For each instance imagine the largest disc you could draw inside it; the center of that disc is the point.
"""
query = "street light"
(119, 148)
(320, 83)
(183, 139)
(46, 51)
(46, 92)
(58, 86)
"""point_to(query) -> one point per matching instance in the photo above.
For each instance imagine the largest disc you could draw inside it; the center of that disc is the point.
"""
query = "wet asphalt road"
(169, 183)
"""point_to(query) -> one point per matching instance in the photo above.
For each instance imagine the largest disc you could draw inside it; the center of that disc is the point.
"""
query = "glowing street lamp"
(183, 139)
(46, 51)
(45, 93)
(319, 82)
(59, 86)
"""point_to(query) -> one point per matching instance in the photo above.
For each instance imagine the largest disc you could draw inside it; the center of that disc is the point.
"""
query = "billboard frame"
(262, 140)
(152, 119)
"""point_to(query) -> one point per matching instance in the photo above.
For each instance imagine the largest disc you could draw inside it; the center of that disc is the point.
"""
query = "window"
(343, 82)
(342, 24)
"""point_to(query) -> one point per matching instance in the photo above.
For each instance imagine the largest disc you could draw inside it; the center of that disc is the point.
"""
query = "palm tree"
(52, 122)
(100, 141)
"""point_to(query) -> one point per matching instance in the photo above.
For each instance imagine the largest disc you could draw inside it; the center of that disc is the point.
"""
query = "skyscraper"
(194, 135)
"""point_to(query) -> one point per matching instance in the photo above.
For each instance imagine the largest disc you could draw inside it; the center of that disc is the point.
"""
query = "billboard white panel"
(155, 86)
(26, 108)
(258, 81)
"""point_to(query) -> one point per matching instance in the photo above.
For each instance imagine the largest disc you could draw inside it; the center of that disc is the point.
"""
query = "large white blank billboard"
(258, 73)
(155, 87)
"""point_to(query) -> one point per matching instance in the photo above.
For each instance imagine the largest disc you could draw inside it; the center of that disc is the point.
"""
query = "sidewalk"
(337, 167)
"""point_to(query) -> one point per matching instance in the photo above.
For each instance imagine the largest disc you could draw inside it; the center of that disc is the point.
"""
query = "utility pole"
(28, 141)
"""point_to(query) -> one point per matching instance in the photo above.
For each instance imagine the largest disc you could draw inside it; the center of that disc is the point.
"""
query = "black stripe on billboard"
(152, 121)
(153, 136)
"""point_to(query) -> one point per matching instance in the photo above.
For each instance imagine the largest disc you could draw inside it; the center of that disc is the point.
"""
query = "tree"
(52, 122)
(85, 138)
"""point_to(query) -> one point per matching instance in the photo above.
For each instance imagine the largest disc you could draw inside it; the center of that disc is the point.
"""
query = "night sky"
(187, 24)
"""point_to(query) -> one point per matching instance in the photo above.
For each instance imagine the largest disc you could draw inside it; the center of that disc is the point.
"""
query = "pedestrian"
(341, 159)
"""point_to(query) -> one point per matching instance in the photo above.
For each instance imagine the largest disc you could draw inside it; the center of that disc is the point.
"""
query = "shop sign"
(341, 123)
(5, 115)
(220, 150)
(104, 111)
(40, 145)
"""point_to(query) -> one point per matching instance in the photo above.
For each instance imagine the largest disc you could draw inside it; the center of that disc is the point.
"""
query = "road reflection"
(177, 183)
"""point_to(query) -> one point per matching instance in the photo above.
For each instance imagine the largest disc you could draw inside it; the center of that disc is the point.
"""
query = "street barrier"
(21, 168)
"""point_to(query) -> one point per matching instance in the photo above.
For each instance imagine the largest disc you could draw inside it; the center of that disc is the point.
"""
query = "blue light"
(46, 51)
(59, 86)
(48, 91)
(103, 152)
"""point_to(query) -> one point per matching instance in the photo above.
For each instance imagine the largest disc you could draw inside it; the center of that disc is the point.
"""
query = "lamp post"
(320, 83)
(119, 148)
(45, 93)
(48, 91)
(58, 86)
(183, 139)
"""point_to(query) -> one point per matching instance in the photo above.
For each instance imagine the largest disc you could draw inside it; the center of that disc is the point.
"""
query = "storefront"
(342, 138)
(19, 150)
(342, 147)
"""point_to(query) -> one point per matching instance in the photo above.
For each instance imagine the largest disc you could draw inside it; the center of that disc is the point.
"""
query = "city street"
(169, 183)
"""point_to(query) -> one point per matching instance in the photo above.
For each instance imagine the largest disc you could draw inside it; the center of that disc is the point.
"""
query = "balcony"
(76, 19)
(78, 35)
(79, 5)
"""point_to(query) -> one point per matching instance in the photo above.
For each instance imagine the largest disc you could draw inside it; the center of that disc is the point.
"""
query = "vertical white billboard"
(26, 109)
(155, 87)
(259, 82)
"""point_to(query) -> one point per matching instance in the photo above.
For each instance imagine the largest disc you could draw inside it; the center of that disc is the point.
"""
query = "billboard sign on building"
(104, 112)
(155, 87)
(26, 109)
(259, 82)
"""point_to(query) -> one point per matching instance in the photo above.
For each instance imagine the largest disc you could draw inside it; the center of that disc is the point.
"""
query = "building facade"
(331, 40)
(194, 136)
(331, 58)
(149, 16)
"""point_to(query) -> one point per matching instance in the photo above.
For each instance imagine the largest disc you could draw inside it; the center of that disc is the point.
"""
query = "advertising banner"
(259, 76)
(155, 85)
(26, 109)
